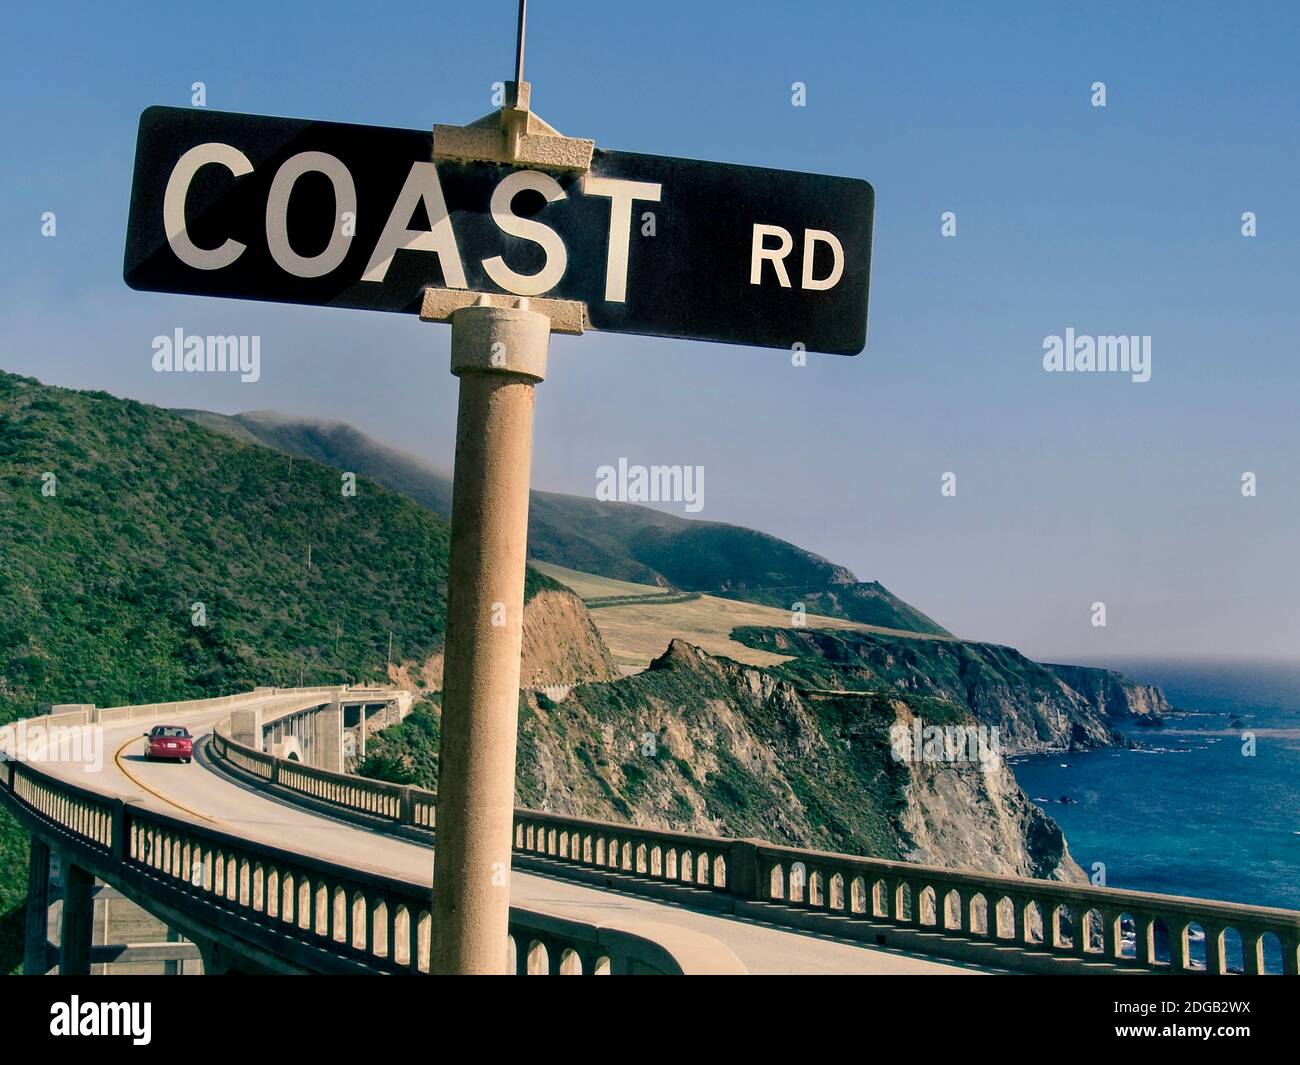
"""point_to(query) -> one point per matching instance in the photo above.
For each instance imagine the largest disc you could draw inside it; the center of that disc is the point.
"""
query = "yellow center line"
(152, 791)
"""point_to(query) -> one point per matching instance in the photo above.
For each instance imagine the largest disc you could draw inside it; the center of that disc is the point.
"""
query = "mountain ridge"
(624, 541)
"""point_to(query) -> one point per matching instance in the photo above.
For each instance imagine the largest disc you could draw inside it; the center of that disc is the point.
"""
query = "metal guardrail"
(1129, 929)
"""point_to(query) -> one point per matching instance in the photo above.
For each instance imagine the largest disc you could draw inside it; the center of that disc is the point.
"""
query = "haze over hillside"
(617, 540)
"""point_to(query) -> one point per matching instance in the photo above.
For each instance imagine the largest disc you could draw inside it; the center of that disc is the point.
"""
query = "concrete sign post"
(510, 231)
(499, 354)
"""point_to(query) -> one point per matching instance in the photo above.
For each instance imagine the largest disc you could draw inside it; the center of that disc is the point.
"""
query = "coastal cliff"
(702, 743)
(1035, 707)
(1114, 694)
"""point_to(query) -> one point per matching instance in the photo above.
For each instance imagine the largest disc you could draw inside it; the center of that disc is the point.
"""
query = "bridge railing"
(1144, 929)
(398, 804)
(114, 715)
(298, 907)
(1139, 929)
(1135, 929)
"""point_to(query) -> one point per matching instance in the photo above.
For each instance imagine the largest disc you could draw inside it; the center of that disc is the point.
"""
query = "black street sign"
(358, 216)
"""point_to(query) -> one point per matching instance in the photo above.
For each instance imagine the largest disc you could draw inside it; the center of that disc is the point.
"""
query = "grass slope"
(592, 587)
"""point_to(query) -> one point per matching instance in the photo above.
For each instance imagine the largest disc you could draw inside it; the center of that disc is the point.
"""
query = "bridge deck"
(201, 793)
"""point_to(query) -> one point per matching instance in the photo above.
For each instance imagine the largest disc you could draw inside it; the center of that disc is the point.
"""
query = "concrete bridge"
(265, 857)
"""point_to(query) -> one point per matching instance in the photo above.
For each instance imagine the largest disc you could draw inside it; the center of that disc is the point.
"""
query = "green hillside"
(339, 445)
(622, 541)
(151, 515)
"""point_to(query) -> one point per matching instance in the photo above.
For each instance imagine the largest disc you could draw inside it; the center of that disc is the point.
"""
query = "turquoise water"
(1188, 813)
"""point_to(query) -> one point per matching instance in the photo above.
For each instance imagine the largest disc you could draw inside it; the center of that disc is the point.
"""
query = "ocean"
(1189, 812)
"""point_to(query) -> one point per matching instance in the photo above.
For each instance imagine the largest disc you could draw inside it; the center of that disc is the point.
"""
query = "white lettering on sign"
(422, 186)
(761, 251)
(178, 186)
(810, 239)
(770, 243)
(277, 213)
(557, 258)
(621, 193)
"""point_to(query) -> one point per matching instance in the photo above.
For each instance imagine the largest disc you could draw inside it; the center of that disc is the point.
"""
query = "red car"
(169, 741)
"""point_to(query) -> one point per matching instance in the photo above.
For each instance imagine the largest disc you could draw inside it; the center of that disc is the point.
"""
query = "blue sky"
(1072, 489)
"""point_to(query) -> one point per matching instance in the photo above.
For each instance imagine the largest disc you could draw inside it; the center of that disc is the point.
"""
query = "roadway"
(206, 796)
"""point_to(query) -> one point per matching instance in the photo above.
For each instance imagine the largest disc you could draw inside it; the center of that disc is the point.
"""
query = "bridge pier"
(246, 727)
(78, 921)
(330, 726)
(37, 932)
(214, 964)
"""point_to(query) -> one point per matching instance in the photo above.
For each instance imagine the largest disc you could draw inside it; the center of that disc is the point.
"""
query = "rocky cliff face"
(561, 646)
(561, 643)
(974, 815)
(1113, 693)
(803, 753)
(706, 744)
(1035, 707)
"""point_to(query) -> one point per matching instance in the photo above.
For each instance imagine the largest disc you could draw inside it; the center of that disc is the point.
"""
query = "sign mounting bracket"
(514, 135)
(567, 316)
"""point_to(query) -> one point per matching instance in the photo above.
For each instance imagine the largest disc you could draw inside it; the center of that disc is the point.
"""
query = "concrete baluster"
(1146, 939)
(1079, 944)
(1252, 950)
(1019, 931)
(894, 900)
(1109, 934)
(1214, 957)
(1180, 947)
